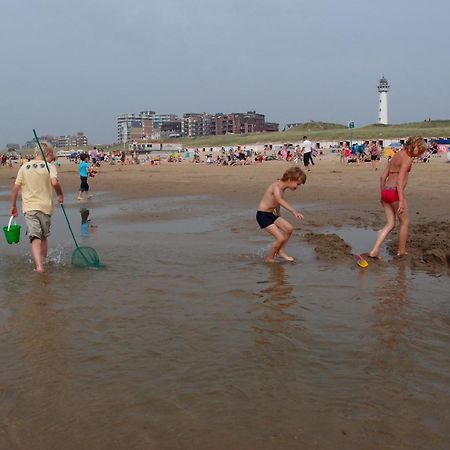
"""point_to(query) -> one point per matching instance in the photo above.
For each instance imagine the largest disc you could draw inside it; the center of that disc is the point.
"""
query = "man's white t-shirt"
(307, 146)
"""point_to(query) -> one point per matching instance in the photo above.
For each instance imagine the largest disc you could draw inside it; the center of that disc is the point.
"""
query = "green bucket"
(12, 232)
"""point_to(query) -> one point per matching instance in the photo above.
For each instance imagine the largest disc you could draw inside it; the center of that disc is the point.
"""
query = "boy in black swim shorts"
(268, 214)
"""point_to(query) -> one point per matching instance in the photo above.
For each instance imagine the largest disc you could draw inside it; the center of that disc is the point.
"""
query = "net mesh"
(85, 257)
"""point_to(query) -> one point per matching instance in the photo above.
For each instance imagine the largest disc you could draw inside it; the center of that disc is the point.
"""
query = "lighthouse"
(383, 89)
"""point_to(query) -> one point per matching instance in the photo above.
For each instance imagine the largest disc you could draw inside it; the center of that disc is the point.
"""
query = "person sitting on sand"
(392, 184)
(268, 214)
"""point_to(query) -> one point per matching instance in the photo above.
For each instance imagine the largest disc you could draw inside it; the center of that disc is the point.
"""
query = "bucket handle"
(10, 220)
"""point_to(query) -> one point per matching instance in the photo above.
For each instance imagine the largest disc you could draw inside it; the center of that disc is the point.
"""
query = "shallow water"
(189, 340)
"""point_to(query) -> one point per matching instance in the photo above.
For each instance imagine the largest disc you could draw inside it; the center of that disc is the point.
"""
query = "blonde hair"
(46, 147)
(293, 174)
(413, 142)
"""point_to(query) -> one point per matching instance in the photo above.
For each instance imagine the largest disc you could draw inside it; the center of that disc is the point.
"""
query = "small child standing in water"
(268, 214)
(84, 173)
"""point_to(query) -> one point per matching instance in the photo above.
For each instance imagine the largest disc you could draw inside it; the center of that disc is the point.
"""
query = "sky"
(75, 65)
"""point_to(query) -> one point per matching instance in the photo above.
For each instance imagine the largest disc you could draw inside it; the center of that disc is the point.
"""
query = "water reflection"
(35, 348)
(391, 307)
(87, 227)
(279, 301)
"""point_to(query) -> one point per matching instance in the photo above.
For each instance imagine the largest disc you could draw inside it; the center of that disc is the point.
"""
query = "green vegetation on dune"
(316, 131)
(322, 131)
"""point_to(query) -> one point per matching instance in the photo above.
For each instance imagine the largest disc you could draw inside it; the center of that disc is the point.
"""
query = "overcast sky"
(74, 65)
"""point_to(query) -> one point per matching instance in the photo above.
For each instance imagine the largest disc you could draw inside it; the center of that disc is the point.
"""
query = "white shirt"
(307, 146)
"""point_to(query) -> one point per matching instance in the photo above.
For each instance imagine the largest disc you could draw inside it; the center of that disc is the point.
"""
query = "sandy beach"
(189, 340)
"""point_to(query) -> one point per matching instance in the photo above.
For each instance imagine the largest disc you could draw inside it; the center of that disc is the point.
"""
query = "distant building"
(237, 123)
(149, 125)
(77, 140)
(146, 125)
(12, 147)
(196, 124)
(272, 127)
(132, 127)
(291, 125)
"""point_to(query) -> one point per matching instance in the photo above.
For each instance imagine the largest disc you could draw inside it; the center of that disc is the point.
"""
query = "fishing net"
(85, 257)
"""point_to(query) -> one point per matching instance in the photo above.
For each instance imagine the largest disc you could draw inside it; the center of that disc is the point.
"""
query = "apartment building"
(146, 125)
(77, 140)
(133, 127)
(196, 124)
(238, 123)
(149, 125)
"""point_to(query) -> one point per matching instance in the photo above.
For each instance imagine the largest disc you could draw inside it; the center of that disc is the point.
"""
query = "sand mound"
(330, 247)
(428, 244)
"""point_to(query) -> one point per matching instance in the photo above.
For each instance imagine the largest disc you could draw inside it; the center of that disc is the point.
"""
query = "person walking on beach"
(37, 184)
(307, 153)
(84, 174)
(374, 155)
(268, 214)
(393, 181)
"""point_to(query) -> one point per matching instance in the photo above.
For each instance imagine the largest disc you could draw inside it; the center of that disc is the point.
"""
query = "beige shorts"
(38, 224)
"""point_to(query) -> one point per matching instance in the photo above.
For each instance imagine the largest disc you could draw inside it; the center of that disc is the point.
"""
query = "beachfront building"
(196, 124)
(149, 125)
(77, 140)
(383, 89)
(237, 123)
(132, 127)
(146, 125)
(271, 127)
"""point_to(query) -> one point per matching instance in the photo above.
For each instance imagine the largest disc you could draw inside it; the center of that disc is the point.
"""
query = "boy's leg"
(37, 253)
(287, 229)
(279, 240)
(389, 211)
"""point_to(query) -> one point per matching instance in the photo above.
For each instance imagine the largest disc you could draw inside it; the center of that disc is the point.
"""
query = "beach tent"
(388, 152)
(391, 149)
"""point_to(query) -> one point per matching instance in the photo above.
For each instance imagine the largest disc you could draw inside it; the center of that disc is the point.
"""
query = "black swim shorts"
(265, 218)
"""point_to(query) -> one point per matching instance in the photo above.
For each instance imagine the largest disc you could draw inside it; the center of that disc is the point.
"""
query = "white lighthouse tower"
(383, 89)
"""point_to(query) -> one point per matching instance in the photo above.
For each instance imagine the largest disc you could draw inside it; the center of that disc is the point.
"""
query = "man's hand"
(60, 199)
(13, 211)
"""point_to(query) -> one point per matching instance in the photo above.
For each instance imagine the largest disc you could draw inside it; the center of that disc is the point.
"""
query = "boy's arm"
(58, 189)
(14, 194)
(278, 195)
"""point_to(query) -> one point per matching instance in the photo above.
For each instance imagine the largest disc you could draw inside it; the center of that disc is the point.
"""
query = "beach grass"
(316, 131)
(320, 131)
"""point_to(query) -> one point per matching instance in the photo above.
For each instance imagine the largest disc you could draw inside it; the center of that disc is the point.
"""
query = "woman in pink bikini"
(392, 183)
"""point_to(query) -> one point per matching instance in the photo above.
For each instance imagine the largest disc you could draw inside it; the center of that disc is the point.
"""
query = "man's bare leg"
(36, 249)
